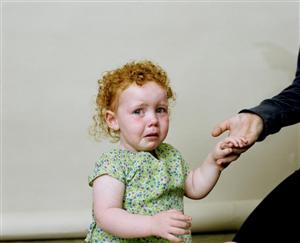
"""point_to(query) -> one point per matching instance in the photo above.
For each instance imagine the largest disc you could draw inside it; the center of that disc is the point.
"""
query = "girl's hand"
(168, 224)
(224, 152)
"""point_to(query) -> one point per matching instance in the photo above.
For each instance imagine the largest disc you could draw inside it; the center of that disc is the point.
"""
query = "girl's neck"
(153, 152)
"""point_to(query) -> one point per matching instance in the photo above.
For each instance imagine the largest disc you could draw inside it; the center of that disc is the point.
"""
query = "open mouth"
(152, 135)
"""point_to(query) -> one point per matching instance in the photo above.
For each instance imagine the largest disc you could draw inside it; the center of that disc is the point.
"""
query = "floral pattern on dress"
(152, 185)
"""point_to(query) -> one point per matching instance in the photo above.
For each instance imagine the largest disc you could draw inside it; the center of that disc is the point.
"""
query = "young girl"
(138, 188)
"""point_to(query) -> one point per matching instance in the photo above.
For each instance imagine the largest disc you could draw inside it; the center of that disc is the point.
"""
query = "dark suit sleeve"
(281, 110)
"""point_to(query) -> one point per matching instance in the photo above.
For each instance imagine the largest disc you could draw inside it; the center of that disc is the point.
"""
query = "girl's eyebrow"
(143, 104)
(163, 103)
(137, 105)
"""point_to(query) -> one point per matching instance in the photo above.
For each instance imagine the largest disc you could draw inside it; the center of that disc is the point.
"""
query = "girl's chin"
(149, 146)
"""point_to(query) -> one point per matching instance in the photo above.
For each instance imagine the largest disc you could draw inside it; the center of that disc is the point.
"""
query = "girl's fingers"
(173, 238)
(182, 224)
(245, 141)
(234, 142)
(179, 231)
(242, 142)
(239, 150)
(225, 161)
(226, 151)
(180, 216)
(225, 145)
(228, 142)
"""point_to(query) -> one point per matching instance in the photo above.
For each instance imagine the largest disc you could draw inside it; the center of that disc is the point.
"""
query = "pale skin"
(142, 119)
(247, 125)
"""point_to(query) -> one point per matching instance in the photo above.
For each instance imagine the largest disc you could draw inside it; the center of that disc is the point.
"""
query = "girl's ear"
(111, 120)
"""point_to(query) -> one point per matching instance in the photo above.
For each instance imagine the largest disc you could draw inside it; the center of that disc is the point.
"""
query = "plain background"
(220, 56)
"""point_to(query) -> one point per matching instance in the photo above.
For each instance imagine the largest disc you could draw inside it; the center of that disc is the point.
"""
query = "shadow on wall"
(278, 58)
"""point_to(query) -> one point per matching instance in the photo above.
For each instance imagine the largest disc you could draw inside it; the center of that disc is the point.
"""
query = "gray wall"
(221, 57)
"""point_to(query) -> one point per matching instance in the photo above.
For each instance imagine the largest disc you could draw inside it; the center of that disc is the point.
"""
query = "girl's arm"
(107, 199)
(201, 181)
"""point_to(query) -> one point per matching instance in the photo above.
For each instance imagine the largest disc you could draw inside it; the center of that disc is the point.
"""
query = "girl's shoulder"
(116, 163)
(116, 156)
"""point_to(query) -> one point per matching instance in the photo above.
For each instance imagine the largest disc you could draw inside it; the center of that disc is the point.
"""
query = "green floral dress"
(152, 185)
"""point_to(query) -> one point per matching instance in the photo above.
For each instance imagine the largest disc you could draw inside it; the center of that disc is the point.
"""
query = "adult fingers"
(220, 128)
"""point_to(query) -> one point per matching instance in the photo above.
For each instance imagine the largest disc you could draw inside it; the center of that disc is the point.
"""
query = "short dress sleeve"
(186, 168)
(109, 164)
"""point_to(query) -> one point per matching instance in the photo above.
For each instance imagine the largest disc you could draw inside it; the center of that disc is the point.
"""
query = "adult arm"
(268, 117)
(281, 110)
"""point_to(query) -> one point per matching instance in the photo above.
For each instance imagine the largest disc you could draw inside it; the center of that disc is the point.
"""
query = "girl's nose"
(153, 120)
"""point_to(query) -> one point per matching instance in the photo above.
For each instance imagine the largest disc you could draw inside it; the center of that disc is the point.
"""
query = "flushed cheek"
(164, 131)
(136, 126)
(164, 122)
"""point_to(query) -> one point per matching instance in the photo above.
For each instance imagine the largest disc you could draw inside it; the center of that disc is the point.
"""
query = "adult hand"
(247, 125)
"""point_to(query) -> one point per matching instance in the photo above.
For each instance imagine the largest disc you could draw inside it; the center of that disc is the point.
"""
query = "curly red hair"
(114, 82)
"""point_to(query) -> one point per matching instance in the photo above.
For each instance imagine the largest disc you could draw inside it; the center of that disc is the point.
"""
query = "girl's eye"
(161, 110)
(137, 111)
